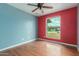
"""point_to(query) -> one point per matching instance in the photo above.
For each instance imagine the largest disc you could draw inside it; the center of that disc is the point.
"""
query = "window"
(53, 27)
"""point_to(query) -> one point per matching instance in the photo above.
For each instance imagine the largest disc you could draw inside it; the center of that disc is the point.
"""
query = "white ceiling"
(56, 7)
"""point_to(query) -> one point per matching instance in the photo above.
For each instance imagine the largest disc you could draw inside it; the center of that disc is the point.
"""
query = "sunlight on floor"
(54, 48)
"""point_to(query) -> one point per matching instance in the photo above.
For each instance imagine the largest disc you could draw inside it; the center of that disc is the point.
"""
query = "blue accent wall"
(16, 26)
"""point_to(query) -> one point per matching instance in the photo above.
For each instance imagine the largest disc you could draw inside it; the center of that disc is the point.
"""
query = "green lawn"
(54, 35)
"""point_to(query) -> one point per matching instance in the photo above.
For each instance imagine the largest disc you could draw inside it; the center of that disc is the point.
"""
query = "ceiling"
(56, 7)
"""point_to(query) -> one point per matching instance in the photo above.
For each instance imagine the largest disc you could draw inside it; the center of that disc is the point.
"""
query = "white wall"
(78, 27)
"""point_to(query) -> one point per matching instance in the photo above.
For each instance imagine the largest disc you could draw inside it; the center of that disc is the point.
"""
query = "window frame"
(47, 30)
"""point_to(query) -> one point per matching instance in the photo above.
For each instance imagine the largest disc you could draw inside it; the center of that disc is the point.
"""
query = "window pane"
(53, 27)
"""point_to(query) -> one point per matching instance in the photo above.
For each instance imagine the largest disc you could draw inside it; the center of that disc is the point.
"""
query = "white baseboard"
(16, 45)
(61, 43)
(68, 44)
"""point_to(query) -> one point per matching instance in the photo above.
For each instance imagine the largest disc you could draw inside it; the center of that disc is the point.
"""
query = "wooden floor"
(41, 48)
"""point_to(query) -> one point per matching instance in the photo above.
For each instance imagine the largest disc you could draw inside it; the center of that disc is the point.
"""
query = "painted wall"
(68, 25)
(16, 26)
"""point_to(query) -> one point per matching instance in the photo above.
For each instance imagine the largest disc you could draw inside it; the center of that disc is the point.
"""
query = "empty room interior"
(39, 29)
